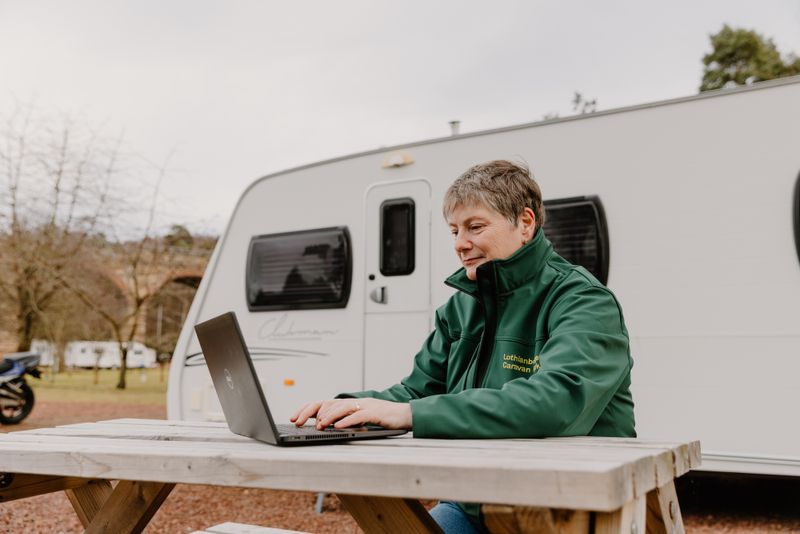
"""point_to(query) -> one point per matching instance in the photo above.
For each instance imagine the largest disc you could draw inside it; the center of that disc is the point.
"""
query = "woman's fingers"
(356, 418)
(296, 413)
(306, 412)
(384, 413)
(352, 412)
(335, 410)
(326, 412)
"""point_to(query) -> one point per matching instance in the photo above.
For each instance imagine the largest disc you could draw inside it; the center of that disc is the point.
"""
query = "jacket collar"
(511, 272)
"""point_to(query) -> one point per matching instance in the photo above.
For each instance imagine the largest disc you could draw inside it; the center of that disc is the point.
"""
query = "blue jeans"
(452, 519)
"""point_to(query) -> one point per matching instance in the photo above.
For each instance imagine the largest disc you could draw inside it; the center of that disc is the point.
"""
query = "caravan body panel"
(698, 199)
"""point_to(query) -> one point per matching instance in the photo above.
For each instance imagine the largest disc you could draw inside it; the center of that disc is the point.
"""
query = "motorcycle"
(16, 396)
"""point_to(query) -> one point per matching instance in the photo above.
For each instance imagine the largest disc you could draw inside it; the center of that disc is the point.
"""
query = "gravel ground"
(709, 504)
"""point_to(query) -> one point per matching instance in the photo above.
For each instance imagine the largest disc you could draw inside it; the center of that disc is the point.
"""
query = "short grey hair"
(504, 186)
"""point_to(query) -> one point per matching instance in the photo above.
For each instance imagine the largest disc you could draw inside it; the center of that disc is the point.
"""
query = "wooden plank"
(215, 428)
(687, 455)
(383, 515)
(614, 440)
(596, 486)
(586, 485)
(408, 440)
(555, 446)
(569, 457)
(20, 485)
(630, 519)
(663, 511)
(140, 424)
(129, 507)
(596, 442)
(690, 458)
(591, 441)
(501, 519)
(134, 432)
(574, 473)
(155, 425)
(122, 429)
(162, 422)
(338, 453)
(555, 449)
(88, 499)
(242, 528)
(554, 457)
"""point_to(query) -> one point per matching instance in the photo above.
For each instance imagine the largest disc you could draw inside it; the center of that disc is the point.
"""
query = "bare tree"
(67, 318)
(54, 184)
(72, 234)
(145, 265)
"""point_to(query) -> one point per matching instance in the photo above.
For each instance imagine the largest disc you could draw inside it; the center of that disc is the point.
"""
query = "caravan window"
(577, 229)
(397, 237)
(310, 269)
(796, 216)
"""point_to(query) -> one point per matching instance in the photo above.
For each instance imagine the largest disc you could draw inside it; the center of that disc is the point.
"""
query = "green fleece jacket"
(536, 347)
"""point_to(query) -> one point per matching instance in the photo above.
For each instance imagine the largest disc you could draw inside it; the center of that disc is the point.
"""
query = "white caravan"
(688, 208)
(106, 355)
(46, 350)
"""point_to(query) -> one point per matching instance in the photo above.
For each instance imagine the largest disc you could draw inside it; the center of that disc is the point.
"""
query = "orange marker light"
(288, 382)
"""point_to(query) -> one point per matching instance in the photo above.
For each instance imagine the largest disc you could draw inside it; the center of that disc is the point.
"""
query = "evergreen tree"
(740, 56)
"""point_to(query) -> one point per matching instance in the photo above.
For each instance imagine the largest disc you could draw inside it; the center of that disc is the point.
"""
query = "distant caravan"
(688, 209)
(102, 354)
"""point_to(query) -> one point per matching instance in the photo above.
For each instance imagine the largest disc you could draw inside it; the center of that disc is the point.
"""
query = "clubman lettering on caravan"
(672, 205)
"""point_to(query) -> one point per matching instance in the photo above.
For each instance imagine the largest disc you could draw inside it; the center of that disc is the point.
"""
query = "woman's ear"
(526, 222)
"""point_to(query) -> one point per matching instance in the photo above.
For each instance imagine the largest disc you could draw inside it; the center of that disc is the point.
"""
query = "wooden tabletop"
(581, 473)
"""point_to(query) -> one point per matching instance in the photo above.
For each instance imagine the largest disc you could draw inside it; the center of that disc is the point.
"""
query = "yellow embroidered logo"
(521, 364)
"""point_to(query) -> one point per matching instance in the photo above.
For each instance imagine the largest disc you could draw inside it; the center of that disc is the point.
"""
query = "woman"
(529, 346)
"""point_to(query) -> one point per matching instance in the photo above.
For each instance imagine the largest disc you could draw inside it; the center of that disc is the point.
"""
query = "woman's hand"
(342, 413)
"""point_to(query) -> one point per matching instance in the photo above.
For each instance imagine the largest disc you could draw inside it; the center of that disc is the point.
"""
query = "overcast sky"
(240, 89)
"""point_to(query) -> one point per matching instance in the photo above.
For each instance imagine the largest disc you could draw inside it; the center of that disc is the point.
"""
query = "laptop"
(242, 399)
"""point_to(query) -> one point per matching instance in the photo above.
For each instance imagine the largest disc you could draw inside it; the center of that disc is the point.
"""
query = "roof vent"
(455, 126)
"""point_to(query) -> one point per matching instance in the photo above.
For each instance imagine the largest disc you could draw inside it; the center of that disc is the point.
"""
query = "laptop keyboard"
(292, 430)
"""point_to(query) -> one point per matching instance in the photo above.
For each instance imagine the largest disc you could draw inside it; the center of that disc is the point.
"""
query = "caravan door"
(397, 307)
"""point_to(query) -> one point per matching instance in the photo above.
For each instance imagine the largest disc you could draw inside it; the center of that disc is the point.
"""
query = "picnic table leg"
(129, 507)
(88, 499)
(663, 511)
(630, 519)
(389, 515)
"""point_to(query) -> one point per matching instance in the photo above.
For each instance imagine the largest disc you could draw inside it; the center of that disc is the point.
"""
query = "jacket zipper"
(487, 288)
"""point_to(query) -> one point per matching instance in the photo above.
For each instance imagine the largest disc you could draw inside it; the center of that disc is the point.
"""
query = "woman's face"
(482, 234)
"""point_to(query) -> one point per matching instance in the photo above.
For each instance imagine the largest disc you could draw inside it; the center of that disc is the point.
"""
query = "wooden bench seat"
(241, 528)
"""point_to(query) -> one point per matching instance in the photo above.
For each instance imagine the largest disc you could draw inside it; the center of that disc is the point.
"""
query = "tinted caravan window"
(796, 216)
(397, 237)
(577, 229)
(299, 270)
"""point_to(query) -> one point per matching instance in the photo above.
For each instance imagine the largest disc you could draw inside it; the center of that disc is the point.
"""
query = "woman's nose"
(461, 243)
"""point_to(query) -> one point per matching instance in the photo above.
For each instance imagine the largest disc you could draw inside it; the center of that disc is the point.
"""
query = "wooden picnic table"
(580, 484)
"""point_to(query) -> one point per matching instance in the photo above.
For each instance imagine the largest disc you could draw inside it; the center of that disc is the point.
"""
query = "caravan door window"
(310, 269)
(397, 237)
(577, 229)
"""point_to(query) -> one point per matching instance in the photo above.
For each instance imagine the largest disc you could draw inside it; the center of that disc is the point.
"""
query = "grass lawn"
(144, 386)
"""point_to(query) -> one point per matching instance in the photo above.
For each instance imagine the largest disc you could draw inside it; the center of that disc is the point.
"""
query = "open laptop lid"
(235, 379)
